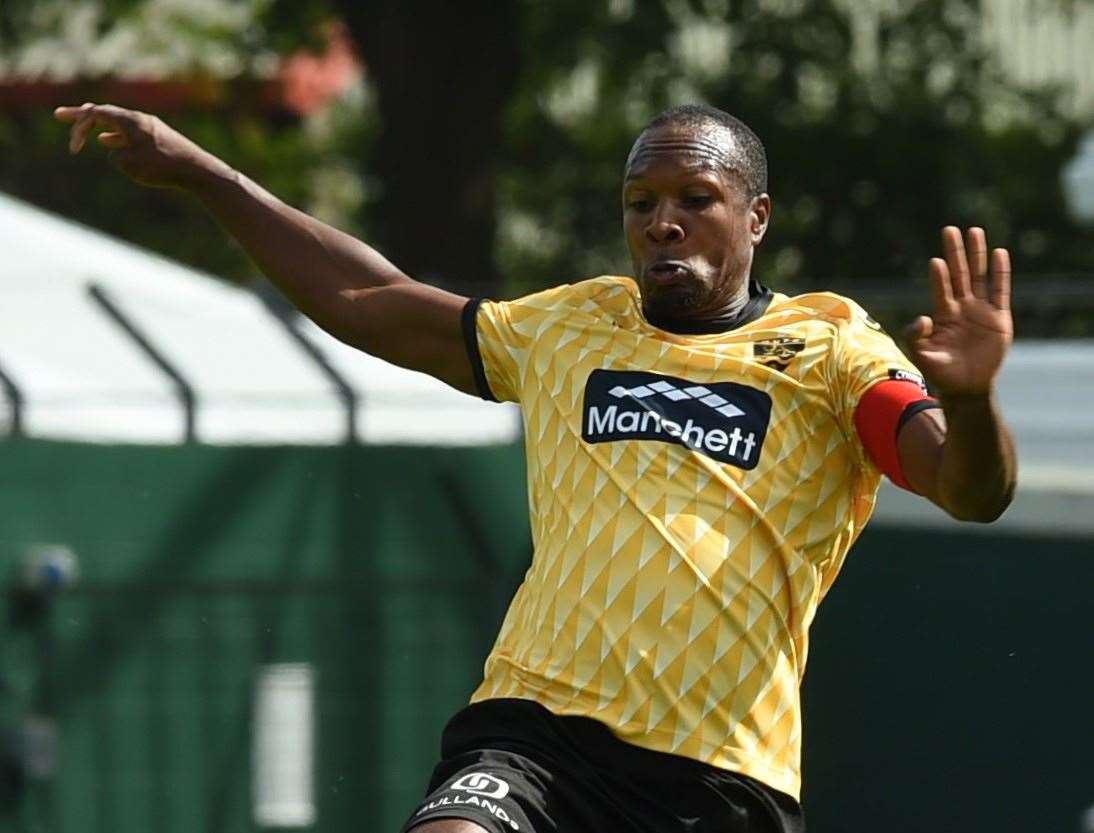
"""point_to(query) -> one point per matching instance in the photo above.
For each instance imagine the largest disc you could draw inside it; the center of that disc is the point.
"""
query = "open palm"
(960, 348)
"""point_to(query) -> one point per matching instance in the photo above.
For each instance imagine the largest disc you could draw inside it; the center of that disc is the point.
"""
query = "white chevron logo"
(661, 388)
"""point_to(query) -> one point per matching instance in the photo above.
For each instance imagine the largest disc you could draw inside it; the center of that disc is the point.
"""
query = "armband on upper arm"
(881, 412)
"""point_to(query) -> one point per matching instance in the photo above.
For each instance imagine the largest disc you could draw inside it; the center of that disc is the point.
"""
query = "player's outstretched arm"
(964, 462)
(346, 287)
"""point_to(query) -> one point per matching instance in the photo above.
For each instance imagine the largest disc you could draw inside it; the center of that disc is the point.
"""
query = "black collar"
(759, 298)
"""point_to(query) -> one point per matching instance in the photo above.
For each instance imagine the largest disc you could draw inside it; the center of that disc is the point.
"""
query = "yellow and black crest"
(777, 352)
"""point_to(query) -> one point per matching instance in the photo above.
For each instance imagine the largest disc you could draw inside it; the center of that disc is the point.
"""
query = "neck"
(747, 304)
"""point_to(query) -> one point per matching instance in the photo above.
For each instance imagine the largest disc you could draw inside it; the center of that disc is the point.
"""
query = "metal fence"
(949, 673)
(152, 688)
(131, 694)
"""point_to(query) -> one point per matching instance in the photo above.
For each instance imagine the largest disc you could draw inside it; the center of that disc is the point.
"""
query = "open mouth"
(669, 271)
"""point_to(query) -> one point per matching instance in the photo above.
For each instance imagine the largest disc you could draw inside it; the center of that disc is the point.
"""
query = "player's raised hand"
(960, 348)
(142, 146)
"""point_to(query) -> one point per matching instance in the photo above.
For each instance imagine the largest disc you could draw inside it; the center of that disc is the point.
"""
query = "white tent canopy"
(82, 375)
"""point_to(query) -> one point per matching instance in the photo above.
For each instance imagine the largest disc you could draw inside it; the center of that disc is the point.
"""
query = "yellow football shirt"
(692, 498)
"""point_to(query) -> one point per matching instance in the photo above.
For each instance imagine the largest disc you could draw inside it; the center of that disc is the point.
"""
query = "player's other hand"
(960, 348)
(141, 145)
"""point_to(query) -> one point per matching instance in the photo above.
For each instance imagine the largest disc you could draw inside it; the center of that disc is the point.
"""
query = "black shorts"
(511, 765)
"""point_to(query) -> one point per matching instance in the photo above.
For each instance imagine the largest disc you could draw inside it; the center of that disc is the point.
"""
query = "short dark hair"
(747, 159)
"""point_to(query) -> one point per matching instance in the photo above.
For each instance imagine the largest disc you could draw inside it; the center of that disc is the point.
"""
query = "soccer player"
(702, 452)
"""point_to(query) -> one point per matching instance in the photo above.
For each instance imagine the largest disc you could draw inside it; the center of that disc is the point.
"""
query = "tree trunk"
(444, 73)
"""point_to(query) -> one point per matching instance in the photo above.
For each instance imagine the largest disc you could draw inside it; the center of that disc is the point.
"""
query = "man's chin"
(676, 301)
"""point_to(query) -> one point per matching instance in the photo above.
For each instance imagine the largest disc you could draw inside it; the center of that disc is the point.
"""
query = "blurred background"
(248, 574)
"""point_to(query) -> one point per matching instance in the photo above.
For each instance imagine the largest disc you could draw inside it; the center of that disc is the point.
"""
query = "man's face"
(690, 224)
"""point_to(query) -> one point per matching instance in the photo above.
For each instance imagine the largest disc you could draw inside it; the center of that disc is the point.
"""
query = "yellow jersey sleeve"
(865, 355)
(500, 336)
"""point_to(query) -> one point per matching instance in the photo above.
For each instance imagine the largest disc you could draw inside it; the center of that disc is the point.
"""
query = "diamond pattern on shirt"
(670, 595)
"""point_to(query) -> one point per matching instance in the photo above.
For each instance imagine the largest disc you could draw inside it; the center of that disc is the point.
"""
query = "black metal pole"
(15, 397)
(183, 388)
(351, 399)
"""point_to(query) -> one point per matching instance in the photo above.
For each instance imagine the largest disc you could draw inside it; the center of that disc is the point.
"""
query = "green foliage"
(873, 144)
(289, 160)
(225, 52)
(304, 162)
(882, 122)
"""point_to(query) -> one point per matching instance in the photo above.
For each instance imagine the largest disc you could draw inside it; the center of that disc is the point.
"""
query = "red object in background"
(304, 82)
(308, 81)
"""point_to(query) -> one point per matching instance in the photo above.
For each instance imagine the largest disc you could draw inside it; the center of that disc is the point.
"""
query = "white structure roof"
(83, 377)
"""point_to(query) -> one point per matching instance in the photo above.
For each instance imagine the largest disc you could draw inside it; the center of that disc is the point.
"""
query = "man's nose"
(664, 228)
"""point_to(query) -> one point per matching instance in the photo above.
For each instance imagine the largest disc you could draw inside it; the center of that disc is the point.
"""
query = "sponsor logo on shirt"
(902, 375)
(479, 783)
(721, 420)
(777, 352)
(482, 791)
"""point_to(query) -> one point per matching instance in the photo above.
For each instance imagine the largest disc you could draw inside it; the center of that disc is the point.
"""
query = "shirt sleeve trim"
(913, 408)
(471, 343)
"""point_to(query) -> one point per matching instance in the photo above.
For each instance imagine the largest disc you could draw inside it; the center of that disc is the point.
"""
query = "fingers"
(68, 114)
(83, 126)
(965, 270)
(953, 248)
(82, 119)
(977, 247)
(1000, 279)
(113, 140)
(86, 117)
(941, 288)
(922, 327)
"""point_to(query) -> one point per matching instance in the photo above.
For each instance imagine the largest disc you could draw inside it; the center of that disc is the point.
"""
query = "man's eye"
(698, 200)
(640, 204)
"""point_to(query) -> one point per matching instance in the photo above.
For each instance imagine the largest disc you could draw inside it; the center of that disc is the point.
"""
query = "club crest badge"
(778, 352)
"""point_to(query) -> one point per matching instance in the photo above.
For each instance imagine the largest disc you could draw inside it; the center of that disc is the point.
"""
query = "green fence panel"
(949, 683)
(951, 686)
(385, 569)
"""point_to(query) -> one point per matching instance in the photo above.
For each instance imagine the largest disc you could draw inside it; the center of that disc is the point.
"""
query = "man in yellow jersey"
(702, 452)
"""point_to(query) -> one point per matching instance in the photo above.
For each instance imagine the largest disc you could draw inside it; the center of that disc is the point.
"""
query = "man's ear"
(759, 215)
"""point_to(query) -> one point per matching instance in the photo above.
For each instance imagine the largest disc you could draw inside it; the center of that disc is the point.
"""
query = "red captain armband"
(881, 413)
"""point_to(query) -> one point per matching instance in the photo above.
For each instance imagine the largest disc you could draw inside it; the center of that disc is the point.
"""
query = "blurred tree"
(207, 68)
(444, 74)
(880, 126)
(882, 122)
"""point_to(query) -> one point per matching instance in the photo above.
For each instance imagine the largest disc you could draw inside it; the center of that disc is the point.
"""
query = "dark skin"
(692, 228)
(345, 286)
(964, 461)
